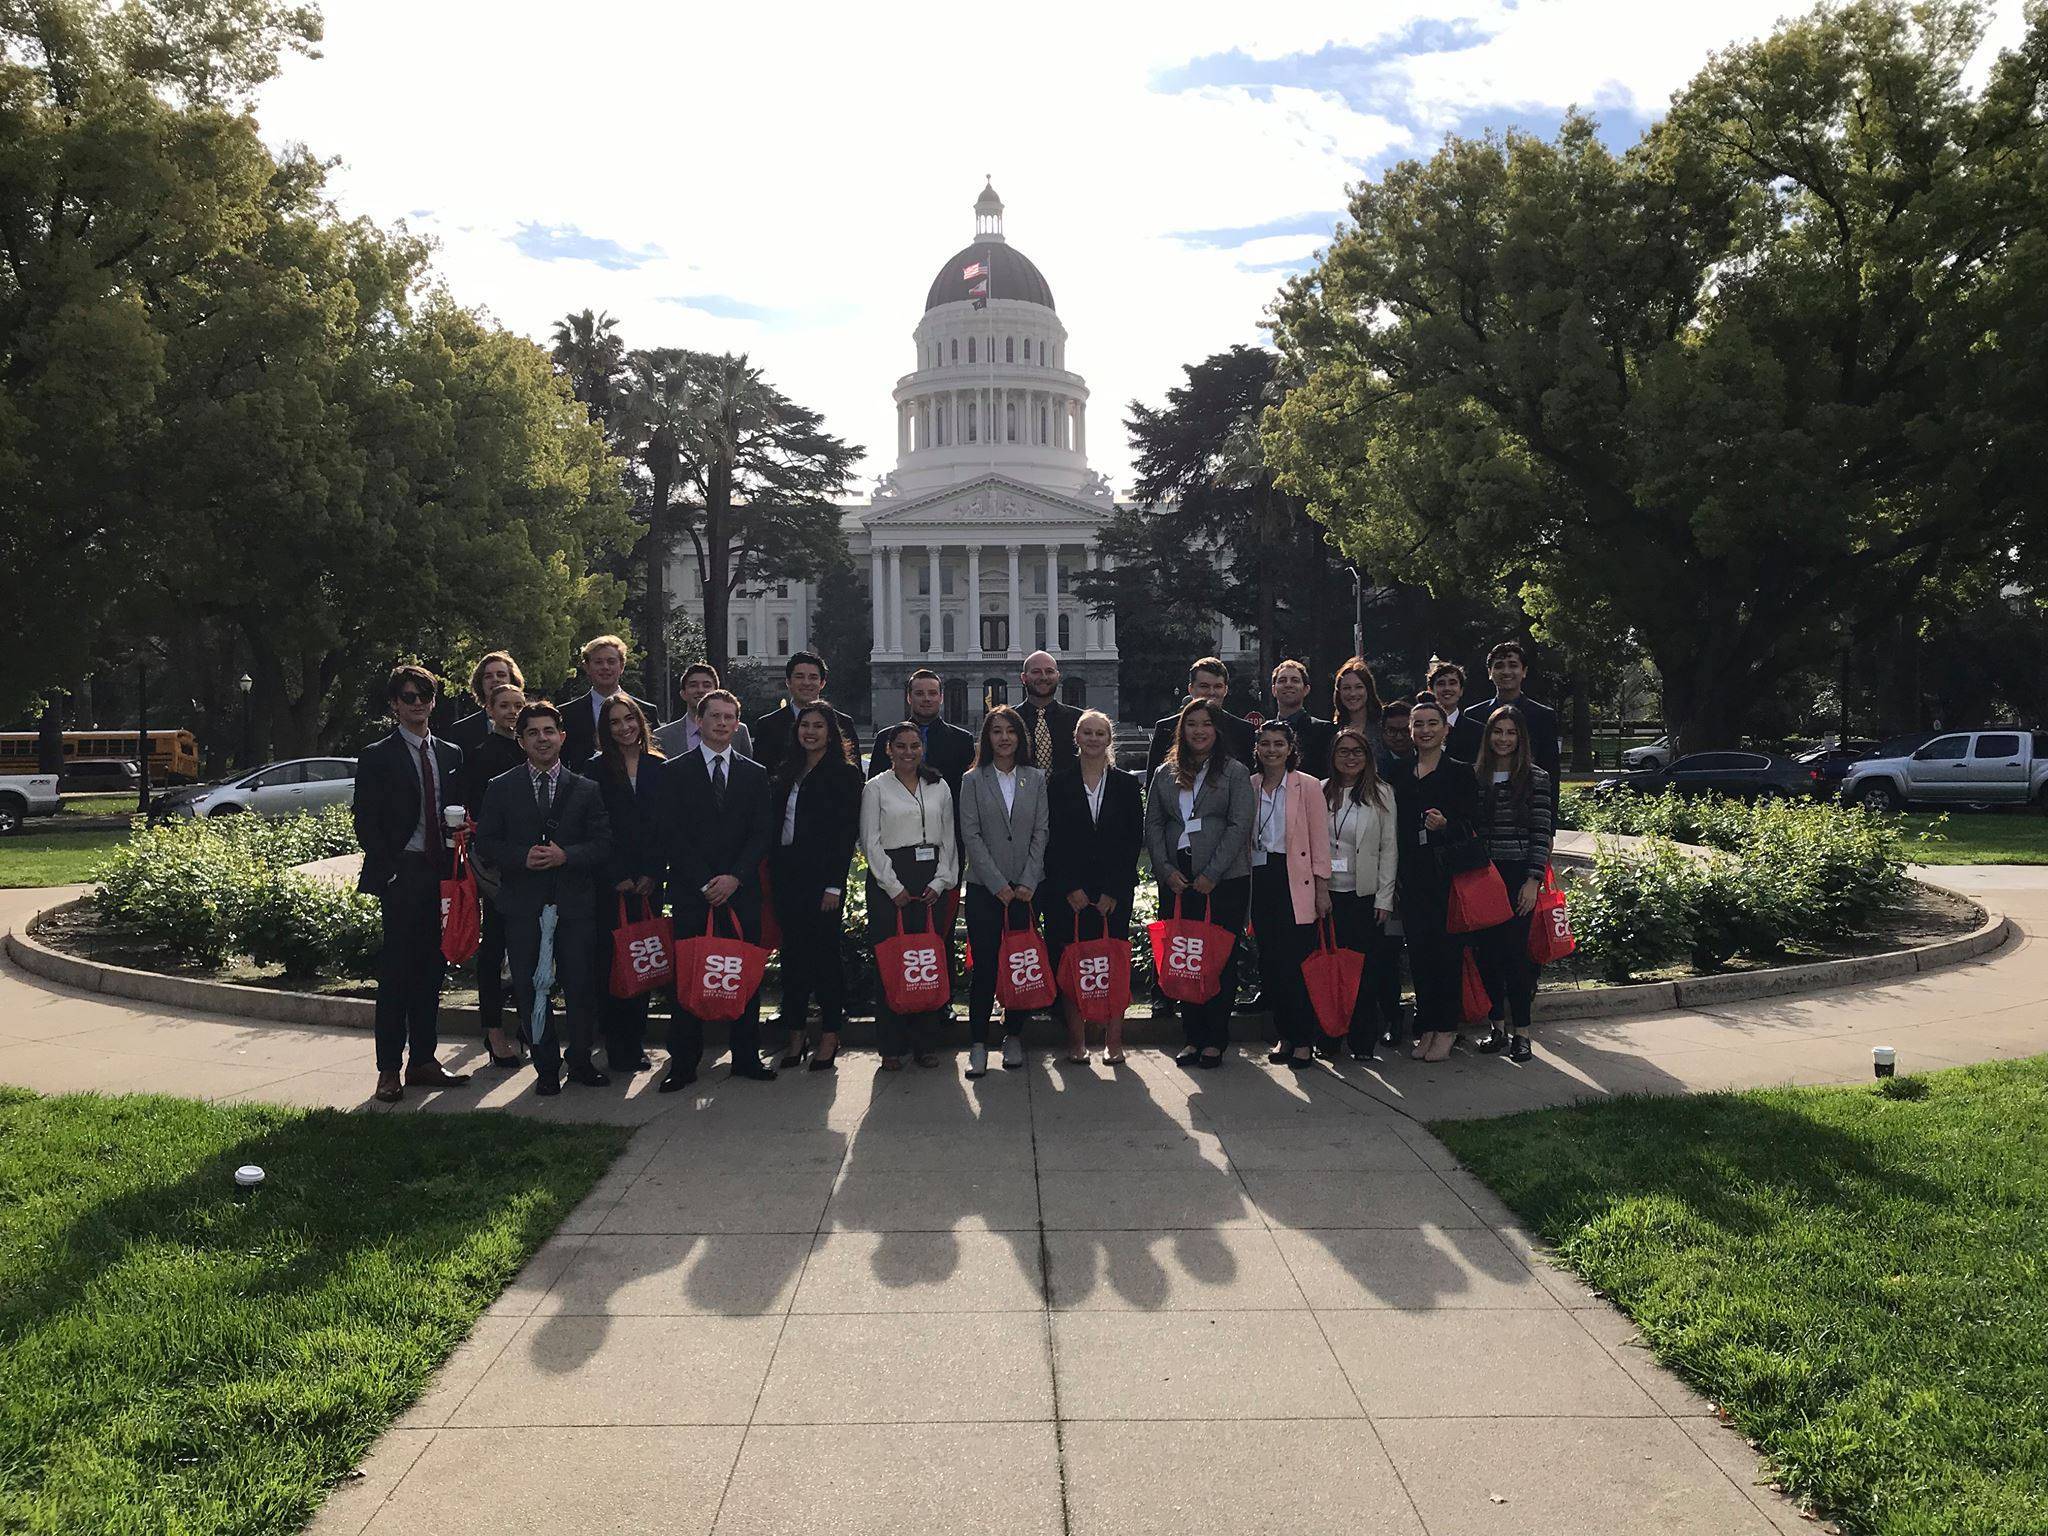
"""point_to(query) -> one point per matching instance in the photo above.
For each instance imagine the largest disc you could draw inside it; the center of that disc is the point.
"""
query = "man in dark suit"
(1048, 724)
(403, 785)
(604, 663)
(1461, 726)
(948, 750)
(803, 676)
(545, 832)
(1508, 666)
(1208, 678)
(494, 671)
(717, 825)
(1312, 734)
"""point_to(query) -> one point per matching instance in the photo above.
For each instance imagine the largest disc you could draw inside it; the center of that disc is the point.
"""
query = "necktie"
(1041, 744)
(718, 782)
(430, 804)
(540, 796)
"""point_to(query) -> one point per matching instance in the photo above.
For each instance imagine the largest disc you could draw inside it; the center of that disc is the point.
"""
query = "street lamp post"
(246, 683)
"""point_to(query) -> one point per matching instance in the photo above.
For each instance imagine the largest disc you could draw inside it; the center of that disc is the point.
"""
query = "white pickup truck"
(23, 795)
(2008, 767)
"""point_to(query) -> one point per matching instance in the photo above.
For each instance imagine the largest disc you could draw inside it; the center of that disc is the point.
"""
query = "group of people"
(583, 817)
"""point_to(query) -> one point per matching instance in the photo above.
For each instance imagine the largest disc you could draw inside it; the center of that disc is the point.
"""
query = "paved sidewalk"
(1065, 1299)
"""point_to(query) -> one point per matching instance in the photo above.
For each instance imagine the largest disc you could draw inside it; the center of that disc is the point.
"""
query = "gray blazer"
(1004, 848)
(1221, 847)
(674, 738)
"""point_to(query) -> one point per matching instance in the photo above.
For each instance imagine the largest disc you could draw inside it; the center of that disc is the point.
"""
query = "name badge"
(1258, 857)
(1192, 824)
(921, 854)
(1340, 866)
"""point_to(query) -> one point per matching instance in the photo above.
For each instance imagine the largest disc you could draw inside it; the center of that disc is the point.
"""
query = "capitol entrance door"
(956, 700)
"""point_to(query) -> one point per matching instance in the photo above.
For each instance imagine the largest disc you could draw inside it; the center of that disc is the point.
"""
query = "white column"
(1109, 614)
(973, 647)
(902, 428)
(1091, 638)
(1016, 606)
(1081, 429)
(764, 639)
(895, 600)
(800, 616)
(938, 631)
(1052, 598)
(878, 598)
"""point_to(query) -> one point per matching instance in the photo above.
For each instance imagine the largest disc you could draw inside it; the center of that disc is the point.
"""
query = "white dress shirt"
(1269, 829)
(1007, 783)
(894, 817)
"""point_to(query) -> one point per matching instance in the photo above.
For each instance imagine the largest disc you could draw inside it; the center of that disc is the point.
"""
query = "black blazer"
(775, 733)
(1313, 737)
(1236, 731)
(827, 827)
(1462, 740)
(1097, 857)
(1059, 720)
(489, 758)
(634, 811)
(579, 728)
(700, 839)
(387, 802)
(511, 825)
(948, 752)
(469, 732)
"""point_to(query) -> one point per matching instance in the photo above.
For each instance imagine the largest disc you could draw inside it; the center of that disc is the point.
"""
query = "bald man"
(1048, 724)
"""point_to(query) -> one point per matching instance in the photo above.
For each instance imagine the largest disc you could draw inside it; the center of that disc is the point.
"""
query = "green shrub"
(1633, 911)
(310, 927)
(1830, 869)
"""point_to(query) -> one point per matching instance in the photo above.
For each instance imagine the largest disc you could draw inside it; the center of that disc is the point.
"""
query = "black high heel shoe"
(795, 1058)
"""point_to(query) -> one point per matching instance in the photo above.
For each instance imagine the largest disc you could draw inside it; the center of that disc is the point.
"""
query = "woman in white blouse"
(1002, 833)
(1363, 857)
(906, 831)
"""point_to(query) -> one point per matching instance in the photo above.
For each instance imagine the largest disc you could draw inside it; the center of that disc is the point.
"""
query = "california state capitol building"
(971, 545)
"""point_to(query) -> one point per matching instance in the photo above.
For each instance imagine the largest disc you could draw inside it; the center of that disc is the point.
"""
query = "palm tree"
(586, 347)
(655, 404)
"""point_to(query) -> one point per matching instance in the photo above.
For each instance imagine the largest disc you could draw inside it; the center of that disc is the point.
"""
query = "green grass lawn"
(1981, 837)
(172, 1359)
(36, 857)
(98, 805)
(1860, 1280)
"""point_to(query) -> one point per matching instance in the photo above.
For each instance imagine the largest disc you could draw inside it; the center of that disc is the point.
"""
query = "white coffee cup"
(248, 1176)
(456, 816)
(1883, 1060)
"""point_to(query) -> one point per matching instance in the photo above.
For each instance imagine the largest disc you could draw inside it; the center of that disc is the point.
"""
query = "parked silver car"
(275, 789)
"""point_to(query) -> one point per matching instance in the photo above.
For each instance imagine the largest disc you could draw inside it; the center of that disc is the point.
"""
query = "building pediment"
(993, 502)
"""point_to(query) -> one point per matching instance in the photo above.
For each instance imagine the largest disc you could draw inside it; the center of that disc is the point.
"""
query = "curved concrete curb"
(283, 1007)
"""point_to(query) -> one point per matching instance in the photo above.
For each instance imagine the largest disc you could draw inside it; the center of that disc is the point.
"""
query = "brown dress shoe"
(389, 1089)
(431, 1074)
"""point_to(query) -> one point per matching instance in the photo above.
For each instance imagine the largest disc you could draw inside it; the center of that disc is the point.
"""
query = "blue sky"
(784, 181)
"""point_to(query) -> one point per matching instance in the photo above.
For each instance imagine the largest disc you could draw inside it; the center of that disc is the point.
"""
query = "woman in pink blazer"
(1290, 885)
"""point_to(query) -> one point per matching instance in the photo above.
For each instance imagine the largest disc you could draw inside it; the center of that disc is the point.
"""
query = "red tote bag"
(1024, 979)
(913, 970)
(1188, 955)
(1332, 976)
(1479, 899)
(1477, 1002)
(462, 920)
(643, 952)
(1096, 974)
(1550, 925)
(717, 976)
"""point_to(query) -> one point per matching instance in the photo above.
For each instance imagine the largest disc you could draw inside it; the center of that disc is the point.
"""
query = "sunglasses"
(414, 696)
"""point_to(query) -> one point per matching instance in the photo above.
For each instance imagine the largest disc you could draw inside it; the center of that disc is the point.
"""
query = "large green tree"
(1767, 371)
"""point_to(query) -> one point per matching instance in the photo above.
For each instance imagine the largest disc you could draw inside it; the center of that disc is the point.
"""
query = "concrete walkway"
(1065, 1299)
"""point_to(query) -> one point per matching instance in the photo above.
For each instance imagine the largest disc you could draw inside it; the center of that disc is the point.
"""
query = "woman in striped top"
(1515, 821)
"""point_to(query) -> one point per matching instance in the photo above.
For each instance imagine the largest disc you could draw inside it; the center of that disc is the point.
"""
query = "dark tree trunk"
(50, 735)
(718, 561)
(1582, 722)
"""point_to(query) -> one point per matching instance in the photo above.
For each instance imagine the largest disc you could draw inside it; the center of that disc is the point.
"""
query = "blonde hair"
(600, 642)
(1096, 714)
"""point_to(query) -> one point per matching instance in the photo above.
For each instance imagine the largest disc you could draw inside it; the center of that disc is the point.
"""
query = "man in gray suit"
(679, 737)
(545, 832)
(1004, 818)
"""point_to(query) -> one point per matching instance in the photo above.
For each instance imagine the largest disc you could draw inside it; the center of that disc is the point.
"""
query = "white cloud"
(814, 164)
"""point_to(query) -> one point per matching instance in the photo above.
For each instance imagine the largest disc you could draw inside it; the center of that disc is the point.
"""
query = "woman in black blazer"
(628, 768)
(1096, 825)
(817, 821)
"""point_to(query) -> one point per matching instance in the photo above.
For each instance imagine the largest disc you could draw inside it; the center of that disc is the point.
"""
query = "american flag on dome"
(979, 269)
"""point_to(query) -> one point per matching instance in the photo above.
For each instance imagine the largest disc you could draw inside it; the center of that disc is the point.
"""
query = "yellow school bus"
(173, 755)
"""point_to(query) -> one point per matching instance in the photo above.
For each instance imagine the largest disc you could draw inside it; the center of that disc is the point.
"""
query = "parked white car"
(23, 795)
(275, 789)
(2006, 767)
(1655, 754)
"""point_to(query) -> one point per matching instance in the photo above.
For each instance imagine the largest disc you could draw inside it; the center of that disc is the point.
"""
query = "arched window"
(1010, 422)
(995, 690)
(1041, 354)
(1038, 629)
(924, 632)
(956, 349)
(782, 635)
(970, 415)
(970, 349)
(945, 632)
(1074, 691)
(1009, 349)
(739, 630)
(1066, 631)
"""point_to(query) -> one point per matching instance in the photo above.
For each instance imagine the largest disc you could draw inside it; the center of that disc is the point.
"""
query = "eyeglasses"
(414, 696)
(1349, 752)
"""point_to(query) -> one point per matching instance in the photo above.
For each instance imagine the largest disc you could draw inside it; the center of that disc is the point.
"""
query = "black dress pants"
(1503, 955)
(490, 968)
(1206, 1026)
(576, 973)
(811, 963)
(1379, 989)
(1283, 945)
(1435, 955)
(409, 965)
(985, 923)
